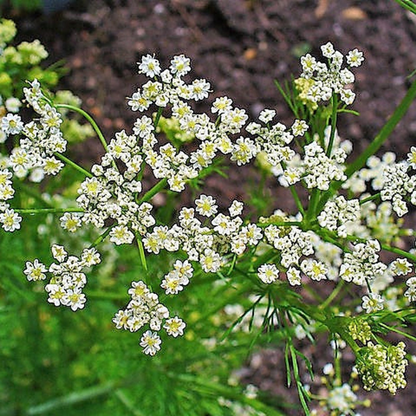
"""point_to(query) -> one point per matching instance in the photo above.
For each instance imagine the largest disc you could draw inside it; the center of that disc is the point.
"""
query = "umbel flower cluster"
(333, 236)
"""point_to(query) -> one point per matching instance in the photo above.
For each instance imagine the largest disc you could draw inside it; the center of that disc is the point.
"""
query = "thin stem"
(73, 164)
(90, 120)
(399, 251)
(398, 331)
(141, 252)
(32, 211)
(93, 124)
(333, 124)
(407, 4)
(153, 191)
(333, 295)
(313, 202)
(157, 117)
(102, 237)
(370, 198)
(297, 200)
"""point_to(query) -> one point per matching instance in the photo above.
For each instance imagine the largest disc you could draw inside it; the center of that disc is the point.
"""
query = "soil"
(241, 47)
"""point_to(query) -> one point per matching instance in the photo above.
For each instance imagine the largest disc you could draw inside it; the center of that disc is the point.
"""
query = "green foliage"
(26, 5)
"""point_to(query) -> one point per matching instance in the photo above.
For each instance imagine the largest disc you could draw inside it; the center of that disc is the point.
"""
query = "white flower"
(90, 257)
(35, 271)
(236, 208)
(174, 326)
(150, 341)
(372, 303)
(11, 220)
(268, 273)
(267, 115)
(210, 261)
(206, 205)
(355, 58)
(59, 253)
(299, 127)
(293, 276)
(180, 65)
(56, 294)
(328, 50)
(70, 222)
(121, 235)
(13, 104)
(11, 124)
(221, 105)
(74, 298)
(199, 89)
(149, 66)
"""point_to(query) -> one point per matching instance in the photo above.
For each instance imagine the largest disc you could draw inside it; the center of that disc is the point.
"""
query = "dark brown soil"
(241, 47)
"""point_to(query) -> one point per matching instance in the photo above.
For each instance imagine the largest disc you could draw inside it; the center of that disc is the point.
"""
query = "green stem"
(407, 4)
(46, 210)
(297, 199)
(73, 164)
(333, 124)
(153, 191)
(398, 331)
(313, 202)
(90, 120)
(333, 295)
(295, 194)
(399, 251)
(157, 117)
(141, 252)
(102, 237)
(93, 124)
(370, 198)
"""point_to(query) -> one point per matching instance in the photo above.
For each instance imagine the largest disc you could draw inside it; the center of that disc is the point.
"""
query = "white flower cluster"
(292, 243)
(205, 238)
(399, 186)
(205, 243)
(9, 219)
(143, 309)
(67, 277)
(111, 195)
(327, 79)
(315, 169)
(362, 263)
(338, 213)
(410, 293)
(272, 140)
(373, 174)
(320, 170)
(168, 88)
(42, 140)
(342, 398)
